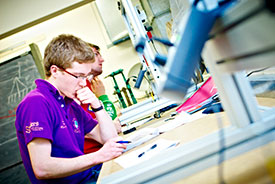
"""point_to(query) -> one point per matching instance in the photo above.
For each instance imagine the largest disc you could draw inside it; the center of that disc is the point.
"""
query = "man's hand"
(111, 149)
(97, 87)
(86, 96)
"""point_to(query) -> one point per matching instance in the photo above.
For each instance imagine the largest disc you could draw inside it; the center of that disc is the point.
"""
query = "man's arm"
(97, 87)
(99, 90)
(47, 167)
(95, 133)
(105, 128)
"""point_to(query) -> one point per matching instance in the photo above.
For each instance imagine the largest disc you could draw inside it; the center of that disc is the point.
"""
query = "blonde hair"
(94, 46)
(64, 49)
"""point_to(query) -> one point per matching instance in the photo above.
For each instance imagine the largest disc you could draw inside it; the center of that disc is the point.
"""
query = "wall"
(18, 13)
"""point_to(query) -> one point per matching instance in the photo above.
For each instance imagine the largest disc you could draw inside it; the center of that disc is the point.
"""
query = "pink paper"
(200, 97)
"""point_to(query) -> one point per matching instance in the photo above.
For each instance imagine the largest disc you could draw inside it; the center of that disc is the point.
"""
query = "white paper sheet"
(147, 152)
(141, 136)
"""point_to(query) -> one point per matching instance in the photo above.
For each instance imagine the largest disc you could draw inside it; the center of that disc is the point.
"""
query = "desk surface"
(246, 168)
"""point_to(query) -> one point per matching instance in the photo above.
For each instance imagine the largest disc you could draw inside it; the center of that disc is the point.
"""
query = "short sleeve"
(38, 123)
(90, 123)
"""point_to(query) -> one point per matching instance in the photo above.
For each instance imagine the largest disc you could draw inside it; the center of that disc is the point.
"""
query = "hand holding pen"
(124, 142)
(111, 149)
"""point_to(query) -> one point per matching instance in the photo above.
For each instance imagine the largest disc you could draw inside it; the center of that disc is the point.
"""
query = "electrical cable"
(154, 46)
(255, 71)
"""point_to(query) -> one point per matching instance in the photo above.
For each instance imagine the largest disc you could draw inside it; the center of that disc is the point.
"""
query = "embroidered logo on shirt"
(76, 126)
(63, 125)
(34, 126)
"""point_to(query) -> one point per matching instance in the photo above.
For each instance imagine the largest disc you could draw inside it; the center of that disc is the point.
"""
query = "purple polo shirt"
(44, 113)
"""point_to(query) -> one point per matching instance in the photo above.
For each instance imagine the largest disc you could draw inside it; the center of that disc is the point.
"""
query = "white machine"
(133, 21)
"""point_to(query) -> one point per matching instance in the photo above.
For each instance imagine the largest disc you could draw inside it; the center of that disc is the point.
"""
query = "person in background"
(96, 85)
(51, 126)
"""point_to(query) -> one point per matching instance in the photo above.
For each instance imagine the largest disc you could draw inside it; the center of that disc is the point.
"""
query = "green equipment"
(118, 91)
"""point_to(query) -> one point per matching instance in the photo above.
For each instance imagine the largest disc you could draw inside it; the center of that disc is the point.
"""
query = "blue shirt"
(44, 113)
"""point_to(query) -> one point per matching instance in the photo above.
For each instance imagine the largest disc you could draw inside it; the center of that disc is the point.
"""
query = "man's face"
(72, 79)
(97, 65)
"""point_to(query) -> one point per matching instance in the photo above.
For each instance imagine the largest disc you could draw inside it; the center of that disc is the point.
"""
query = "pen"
(152, 147)
(123, 142)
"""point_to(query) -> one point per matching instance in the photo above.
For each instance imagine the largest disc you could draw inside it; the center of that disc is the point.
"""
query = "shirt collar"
(46, 86)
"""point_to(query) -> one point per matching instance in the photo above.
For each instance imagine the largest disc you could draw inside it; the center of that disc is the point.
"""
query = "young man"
(98, 88)
(51, 126)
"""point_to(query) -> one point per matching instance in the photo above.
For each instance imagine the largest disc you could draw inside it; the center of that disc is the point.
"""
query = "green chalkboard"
(17, 77)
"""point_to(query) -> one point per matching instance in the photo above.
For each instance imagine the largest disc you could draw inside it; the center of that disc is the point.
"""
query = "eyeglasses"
(88, 77)
(97, 54)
